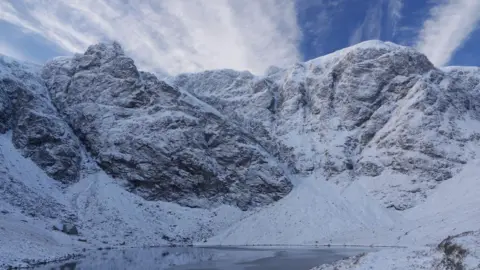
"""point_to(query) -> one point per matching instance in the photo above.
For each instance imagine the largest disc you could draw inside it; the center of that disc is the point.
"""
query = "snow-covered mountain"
(168, 145)
(364, 113)
(357, 147)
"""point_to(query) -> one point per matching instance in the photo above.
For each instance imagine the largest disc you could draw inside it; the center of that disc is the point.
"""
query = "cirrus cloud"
(171, 36)
(372, 24)
(450, 24)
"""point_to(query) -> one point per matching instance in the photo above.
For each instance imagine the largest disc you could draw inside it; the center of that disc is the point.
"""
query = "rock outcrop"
(37, 128)
(166, 143)
(376, 112)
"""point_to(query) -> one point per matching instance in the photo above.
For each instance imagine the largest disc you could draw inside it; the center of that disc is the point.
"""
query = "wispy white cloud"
(450, 24)
(174, 35)
(357, 35)
(379, 13)
(371, 27)
(395, 13)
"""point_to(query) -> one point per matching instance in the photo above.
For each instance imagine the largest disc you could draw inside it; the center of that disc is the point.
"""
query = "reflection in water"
(211, 258)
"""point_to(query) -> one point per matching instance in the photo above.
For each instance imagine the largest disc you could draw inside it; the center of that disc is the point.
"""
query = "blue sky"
(174, 36)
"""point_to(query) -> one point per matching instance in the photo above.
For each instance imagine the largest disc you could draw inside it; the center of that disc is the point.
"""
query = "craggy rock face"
(167, 144)
(37, 128)
(376, 112)
(5, 111)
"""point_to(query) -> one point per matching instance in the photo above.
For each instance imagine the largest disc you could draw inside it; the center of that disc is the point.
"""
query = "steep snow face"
(38, 129)
(168, 145)
(376, 112)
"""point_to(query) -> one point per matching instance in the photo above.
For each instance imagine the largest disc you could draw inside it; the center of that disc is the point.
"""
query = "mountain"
(164, 142)
(356, 147)
(367, 112)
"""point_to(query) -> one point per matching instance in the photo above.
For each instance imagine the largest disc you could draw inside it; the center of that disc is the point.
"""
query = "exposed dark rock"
(70, 229)
(454, 253)
(38, 129)
(377, 107)
(141, 129)
(5, 111)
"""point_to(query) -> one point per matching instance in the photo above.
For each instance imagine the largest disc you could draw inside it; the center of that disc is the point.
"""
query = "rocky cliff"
(377, 112)
(167, 144)
(37, 127)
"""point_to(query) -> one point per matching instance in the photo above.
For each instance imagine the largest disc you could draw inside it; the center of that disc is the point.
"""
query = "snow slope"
(26, 194)
(451, 210)
(31, 203)
(314, 213)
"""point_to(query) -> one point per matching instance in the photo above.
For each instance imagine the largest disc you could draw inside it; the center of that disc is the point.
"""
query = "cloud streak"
(371, 27)
(395, 13)
(169, 35)
(447, 29)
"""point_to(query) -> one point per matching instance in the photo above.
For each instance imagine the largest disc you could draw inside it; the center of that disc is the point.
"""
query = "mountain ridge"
(377, 121)
(306, 92)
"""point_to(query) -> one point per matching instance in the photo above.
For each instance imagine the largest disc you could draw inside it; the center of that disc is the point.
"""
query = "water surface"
(208, 258)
